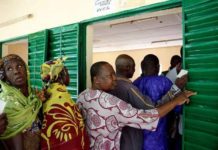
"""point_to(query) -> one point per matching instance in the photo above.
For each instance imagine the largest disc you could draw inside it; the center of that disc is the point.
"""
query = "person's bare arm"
(181, 82)
(15, 142)
(170, 95)
(3, 123)
(178, 100)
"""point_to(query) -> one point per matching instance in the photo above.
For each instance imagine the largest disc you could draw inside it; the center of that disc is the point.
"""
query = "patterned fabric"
(155, 87)
(63, 126)
(51, 69)
(131, 138)
(21, 111)
(105, 116)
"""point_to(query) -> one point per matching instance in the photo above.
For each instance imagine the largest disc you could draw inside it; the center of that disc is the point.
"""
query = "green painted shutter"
(65, 41)
(37, 50)
(200, 51)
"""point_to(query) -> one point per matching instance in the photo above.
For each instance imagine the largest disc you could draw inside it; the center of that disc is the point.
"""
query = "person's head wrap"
(6, 60)
(50, 70)
(21, 110)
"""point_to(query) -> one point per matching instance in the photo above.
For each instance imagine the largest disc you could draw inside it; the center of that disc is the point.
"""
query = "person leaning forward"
(132, 138)
(105, 115)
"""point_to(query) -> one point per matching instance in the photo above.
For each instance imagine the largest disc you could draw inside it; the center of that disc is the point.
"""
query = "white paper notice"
(182, 73)
(2, 106)
(103, 7)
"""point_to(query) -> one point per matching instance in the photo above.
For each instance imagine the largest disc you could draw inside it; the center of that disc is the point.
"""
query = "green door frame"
(126, 13)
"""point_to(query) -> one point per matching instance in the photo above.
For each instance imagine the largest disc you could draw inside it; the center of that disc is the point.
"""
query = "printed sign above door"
(103, 7)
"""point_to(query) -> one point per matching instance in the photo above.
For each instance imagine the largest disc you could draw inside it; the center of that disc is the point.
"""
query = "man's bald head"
(125, 66)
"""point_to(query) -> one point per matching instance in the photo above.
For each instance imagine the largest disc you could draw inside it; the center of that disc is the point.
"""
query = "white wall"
(46, 14)
(51, 13)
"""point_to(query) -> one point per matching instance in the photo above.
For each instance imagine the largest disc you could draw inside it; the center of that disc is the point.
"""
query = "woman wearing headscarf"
(63, 126)
(21, 105)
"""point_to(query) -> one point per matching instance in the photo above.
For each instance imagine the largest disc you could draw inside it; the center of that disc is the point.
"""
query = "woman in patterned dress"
(63, 126)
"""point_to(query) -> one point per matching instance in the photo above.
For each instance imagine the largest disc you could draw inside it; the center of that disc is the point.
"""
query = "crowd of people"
(113, 114)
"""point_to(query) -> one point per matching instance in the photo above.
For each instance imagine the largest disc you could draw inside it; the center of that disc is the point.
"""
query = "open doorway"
(158, 33)
(19, 47)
